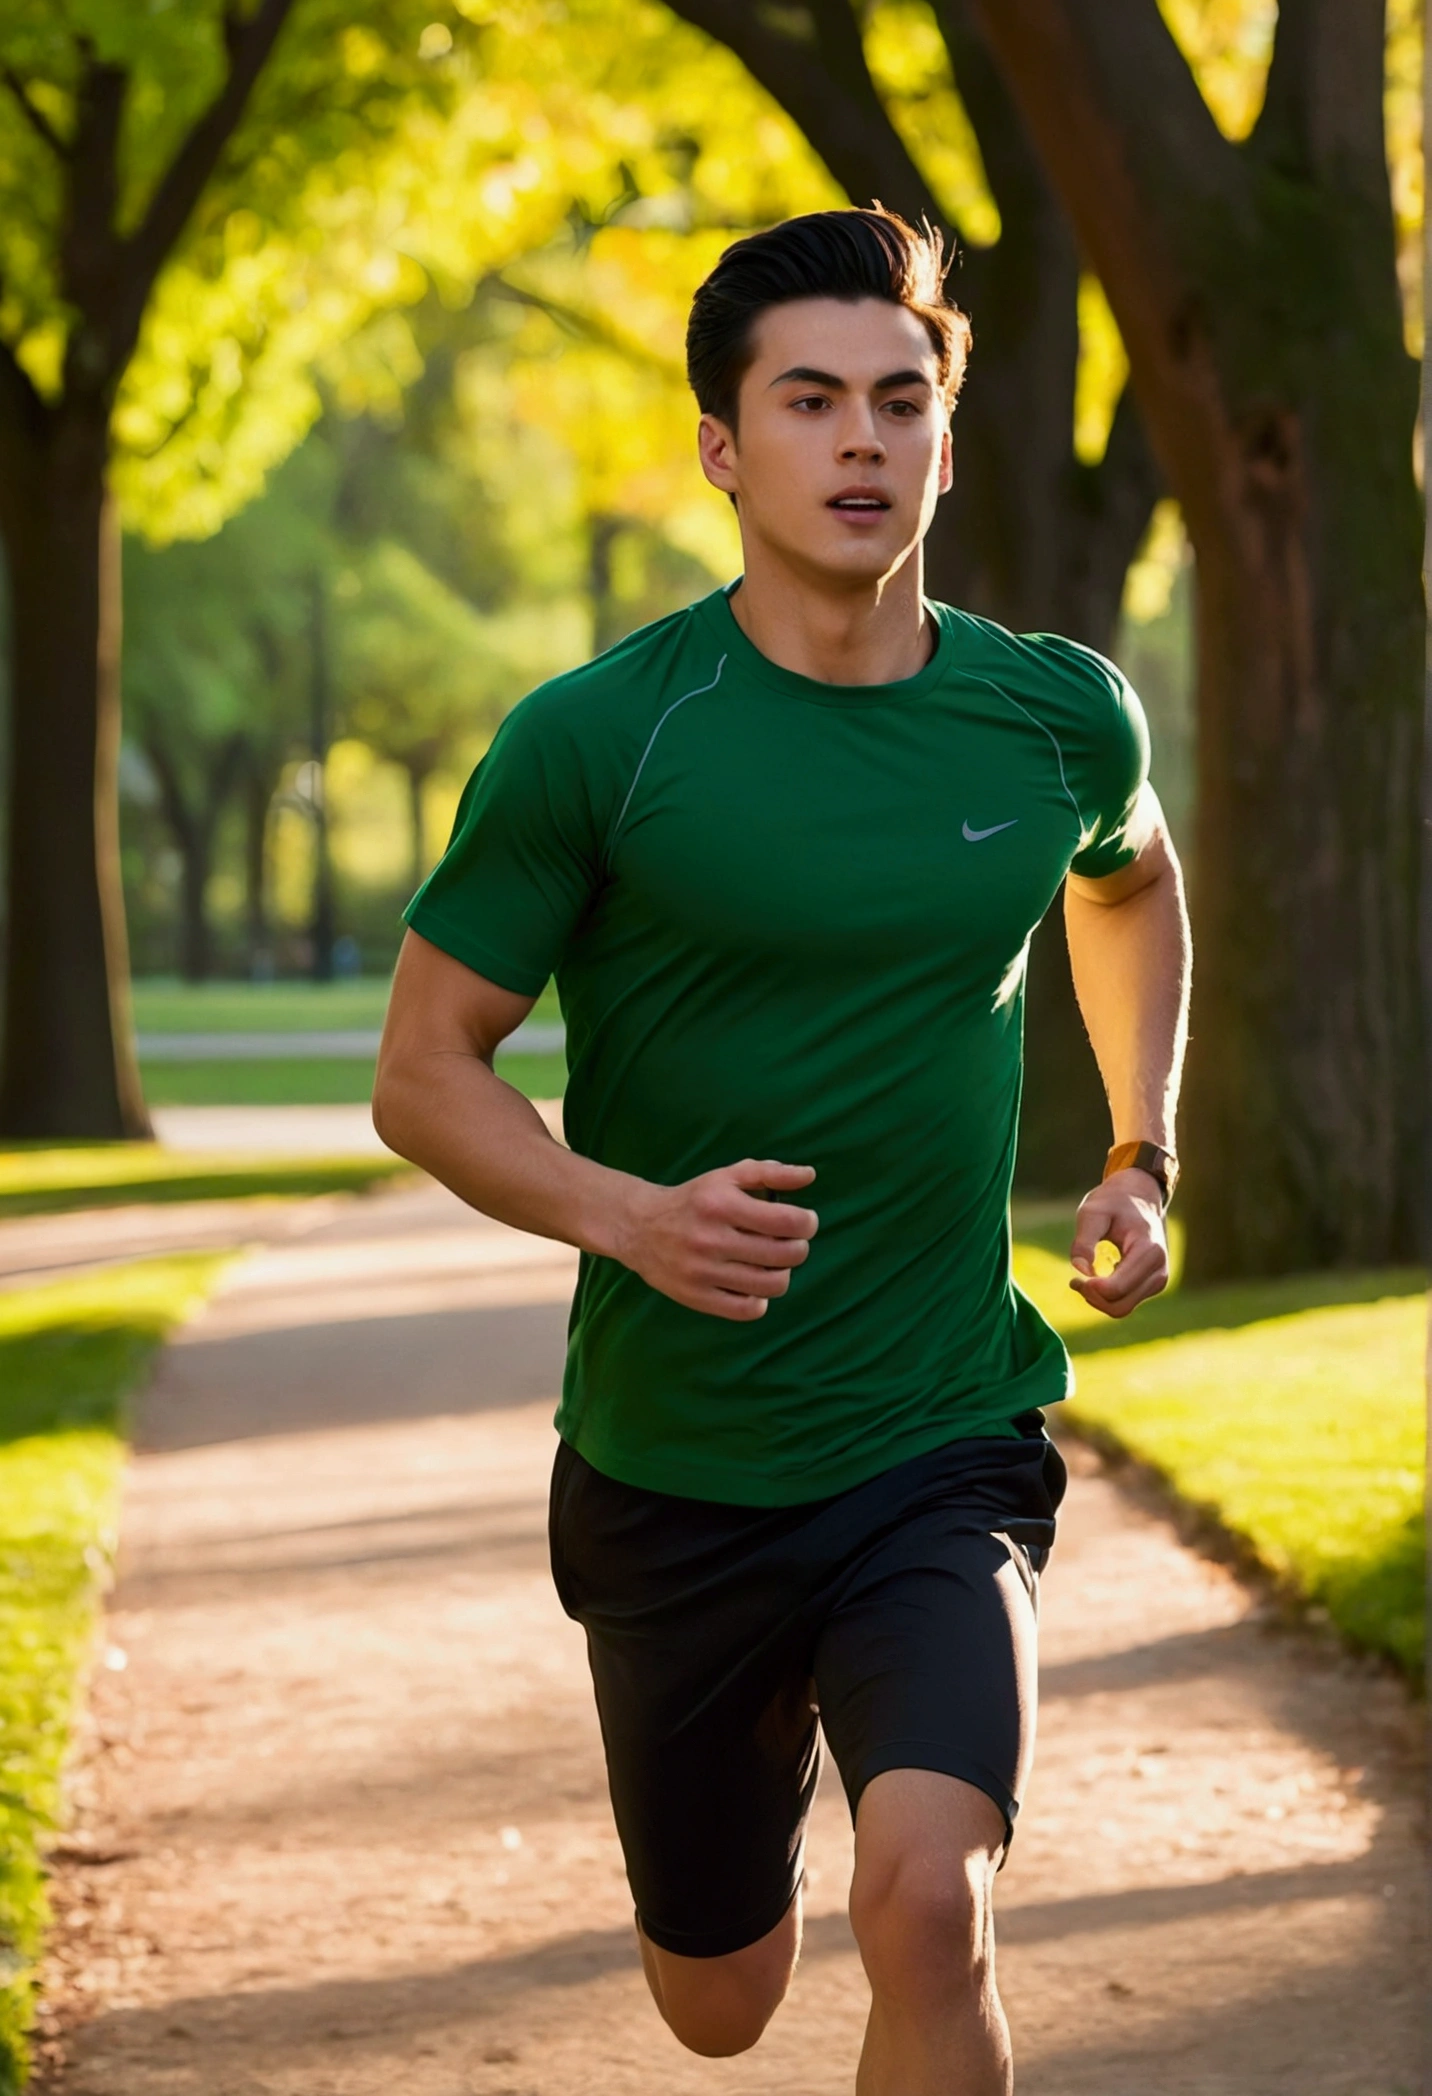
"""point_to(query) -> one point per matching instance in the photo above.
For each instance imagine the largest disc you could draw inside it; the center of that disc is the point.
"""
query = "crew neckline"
(748, 657)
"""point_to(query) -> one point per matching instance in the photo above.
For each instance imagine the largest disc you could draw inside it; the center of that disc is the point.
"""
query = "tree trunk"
(69, 1067)
(192, 840)
(1305, 1111)
(193, 830)
(417, 780)
(322, 926)
(1256, 290)
(259, 782)
(603, 533)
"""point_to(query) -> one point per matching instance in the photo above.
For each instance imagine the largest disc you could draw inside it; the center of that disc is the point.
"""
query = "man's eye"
(903, 408)
(810, 401)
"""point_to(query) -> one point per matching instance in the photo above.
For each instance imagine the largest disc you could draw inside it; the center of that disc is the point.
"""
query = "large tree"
(199, 205)
(1031, 534)
(1255, 286)
(116, 123)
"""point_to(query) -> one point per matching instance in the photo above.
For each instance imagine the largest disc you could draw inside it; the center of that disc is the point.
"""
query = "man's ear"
(716, 446)
(947, 462)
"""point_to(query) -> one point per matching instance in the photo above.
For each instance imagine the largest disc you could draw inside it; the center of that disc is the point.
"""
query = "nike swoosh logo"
(978, 836)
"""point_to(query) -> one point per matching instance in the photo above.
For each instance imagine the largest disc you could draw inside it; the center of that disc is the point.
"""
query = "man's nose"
(860, 435)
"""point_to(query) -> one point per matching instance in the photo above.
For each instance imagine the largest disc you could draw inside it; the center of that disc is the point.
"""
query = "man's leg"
(926, 1850)
(720, 2006)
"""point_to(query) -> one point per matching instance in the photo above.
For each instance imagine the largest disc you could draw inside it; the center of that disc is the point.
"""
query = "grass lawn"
(70, 1354)
(44, 1179)
(167, 1007)
(315, 1083)
(1291, 1411)
(162, 1006)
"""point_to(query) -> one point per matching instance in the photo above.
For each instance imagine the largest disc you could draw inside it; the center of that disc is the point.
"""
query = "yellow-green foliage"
(70, 1353)
(1292, 1411)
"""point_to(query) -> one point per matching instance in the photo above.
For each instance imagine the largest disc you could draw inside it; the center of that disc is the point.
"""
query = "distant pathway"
(311, 1044)
(342, 1827)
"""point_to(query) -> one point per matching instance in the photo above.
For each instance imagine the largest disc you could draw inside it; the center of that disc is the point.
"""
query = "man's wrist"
(616, 1216)
(1150, 1158)
(1145, 1184)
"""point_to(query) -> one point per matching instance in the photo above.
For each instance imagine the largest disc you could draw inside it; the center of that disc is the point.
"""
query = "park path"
(340, 1819)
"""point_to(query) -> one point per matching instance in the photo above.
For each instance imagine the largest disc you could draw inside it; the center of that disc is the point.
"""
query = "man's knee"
(720, 2006)
(921, 1904)
(924, 1932)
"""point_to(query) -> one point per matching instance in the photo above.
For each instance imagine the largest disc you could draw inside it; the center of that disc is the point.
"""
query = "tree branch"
(1121, 492)
(34, 116)
(1111, 67)
(822, 82)
(88, 249)
(1322, 114)
(24, 415)
(1016, 179)
(249, 44)
(1147, 178)
(589, 327)
(21, 403)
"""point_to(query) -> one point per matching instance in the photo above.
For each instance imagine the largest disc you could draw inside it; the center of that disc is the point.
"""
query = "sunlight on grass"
(1292, 1411)
(70, 1354)
(1305, 1435)
(45, 1179)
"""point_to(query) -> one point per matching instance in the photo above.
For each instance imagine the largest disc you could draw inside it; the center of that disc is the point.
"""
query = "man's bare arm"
(711, 1243)
(1130, 952)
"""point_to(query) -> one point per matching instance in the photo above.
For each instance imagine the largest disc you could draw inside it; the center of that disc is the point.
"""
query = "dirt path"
(342, 1821)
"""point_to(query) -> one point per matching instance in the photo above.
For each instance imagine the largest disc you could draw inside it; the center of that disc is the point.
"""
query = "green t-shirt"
(789, 919)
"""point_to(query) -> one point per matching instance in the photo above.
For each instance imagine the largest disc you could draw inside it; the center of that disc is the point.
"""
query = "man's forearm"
(452, 1114)
(1131, 960)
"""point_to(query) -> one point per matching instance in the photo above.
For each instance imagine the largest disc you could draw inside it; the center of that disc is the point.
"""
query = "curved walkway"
(341, 1821)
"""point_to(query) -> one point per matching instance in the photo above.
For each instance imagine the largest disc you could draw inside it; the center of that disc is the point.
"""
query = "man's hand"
(1127, 1210)
(713, 1243)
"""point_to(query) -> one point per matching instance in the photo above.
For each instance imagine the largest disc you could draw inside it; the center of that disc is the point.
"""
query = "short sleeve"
(521, 867)
(1114, 769)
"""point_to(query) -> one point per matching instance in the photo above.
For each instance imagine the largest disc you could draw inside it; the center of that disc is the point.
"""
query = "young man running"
(784, 851)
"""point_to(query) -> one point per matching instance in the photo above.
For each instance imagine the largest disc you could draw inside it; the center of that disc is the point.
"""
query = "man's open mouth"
(859, 502)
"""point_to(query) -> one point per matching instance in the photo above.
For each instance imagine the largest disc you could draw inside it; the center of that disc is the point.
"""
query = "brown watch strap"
(1160, 1164)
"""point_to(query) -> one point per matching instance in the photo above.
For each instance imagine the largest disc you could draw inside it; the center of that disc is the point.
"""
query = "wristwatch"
(1160, 1164)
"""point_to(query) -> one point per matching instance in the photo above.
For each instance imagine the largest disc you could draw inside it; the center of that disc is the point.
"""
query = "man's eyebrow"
(807, 375)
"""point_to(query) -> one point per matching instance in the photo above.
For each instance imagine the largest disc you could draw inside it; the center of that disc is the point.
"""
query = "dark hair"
(847, 255)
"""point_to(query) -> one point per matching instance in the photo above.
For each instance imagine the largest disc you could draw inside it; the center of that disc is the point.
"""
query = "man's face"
(843, 441)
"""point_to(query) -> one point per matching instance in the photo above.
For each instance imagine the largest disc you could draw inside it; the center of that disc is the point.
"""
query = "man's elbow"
(386, 1109)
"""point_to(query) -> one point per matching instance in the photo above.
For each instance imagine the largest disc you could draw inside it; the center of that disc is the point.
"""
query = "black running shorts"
(901, 1612)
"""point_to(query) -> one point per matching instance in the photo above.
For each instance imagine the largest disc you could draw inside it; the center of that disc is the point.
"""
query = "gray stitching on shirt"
(999, 690)
(651, 744)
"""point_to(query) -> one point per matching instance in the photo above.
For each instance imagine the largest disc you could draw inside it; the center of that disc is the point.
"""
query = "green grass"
(70, 1354)
(1290, 1412)
(282, 1007)
(46, 1180)
(168, 1007)
(320, 1082)
(161, 1006)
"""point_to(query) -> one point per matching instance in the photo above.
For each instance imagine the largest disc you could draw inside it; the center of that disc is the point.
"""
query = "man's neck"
(874, 633)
